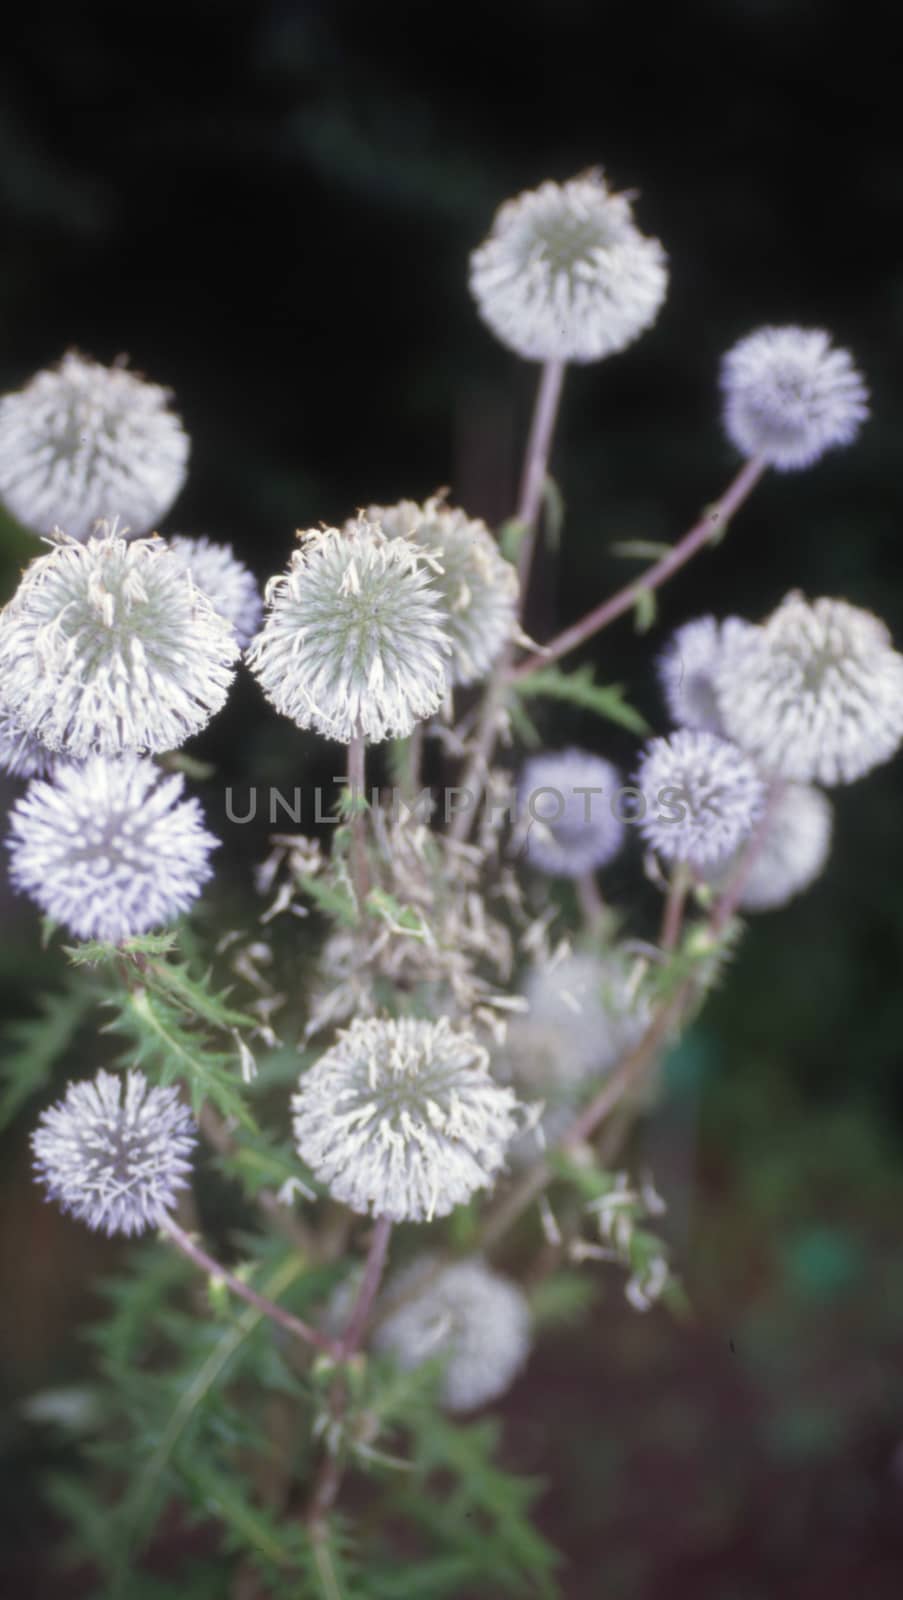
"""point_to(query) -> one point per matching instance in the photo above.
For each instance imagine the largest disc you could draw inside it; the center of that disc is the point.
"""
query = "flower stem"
(360, 871)
(675, 904)
(370, 1282)
(535, 471)
(196, 1254)
(712, 522)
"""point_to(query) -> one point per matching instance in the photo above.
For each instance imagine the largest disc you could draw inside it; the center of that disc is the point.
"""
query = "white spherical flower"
(403, 1118)
(568, 822)
(473, 1320)
(477, 586)
(115, 1160)
(792, 850)
(21, 754)
(566, 275)
(815, 693)
(228, 584)
(84, 443)
(108, 646)
(584, 1014)
(702, 797)
(109, 849)
(687, 669)
(789, 397)
(355, 638)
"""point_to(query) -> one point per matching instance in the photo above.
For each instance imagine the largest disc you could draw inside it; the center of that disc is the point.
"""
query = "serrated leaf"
(32, 1046)
(95, 953)
(160, 1038)
(579, 688)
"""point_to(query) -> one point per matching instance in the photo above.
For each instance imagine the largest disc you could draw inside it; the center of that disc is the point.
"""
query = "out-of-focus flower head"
(83, 443)
(789, 396)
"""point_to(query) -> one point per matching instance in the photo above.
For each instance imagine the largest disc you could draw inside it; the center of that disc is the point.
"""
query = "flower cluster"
(108, 646)
(403, 1118)
(115, 1152)
(82, 444)
(354, 641)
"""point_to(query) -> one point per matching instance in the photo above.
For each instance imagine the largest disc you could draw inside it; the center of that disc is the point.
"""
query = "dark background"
(269, 207)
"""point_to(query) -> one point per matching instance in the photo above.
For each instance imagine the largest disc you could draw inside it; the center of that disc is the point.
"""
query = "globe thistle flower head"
(584, 1013)
(355, 638)
(687, 668)
(791, 851)
(115, 1152)
(815, 693)
(402, 1118)
(83, 443)
(109, 849)
(568, 823)
(108, 646)
(474, 1320)
(478, 588)
(566, 275)
(789, 396)
(702, 797)
(228, 584)
(21, 754)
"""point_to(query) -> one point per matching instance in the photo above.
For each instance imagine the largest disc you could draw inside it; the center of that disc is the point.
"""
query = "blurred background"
(269, 207)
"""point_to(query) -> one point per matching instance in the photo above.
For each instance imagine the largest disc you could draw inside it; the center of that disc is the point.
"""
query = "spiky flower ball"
(702, 797)
(108, 646)
(815, 693)
(789, 396)
(473, 1320)
(21, 754)
(83, 443)
(477, 586)
(115, 1160)
(687, 668)
(584, 1013)
(109, 849)
(792, 851)
(566, 275)
(228, 584)
(402, 1118)
(355, 638)
(568, 822)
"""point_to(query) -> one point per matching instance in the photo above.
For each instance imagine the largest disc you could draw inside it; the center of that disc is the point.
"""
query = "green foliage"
(33, 1046)
(579, 688)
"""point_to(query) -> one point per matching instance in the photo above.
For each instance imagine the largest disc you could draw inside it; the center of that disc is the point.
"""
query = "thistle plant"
(419, 1051)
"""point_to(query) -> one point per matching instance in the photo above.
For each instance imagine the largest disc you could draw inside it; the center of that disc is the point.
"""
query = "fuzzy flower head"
(584, 1013)
(702, 797)
(108, 646)
(567, 809)
(789, 397)
(566, 275)
(21, 754)
(83, 443)
(474, 1320)
(116, 1160)
(355, 638)
(403, 1118)
(792, 850)
(687, 669)
(815, 693)
(229, 586)
(109, 849)
(478, 588)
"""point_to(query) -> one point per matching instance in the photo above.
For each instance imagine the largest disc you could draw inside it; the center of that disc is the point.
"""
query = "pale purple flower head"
(115, 1152)
(702, 797)
(567, 807)
(789, 396)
